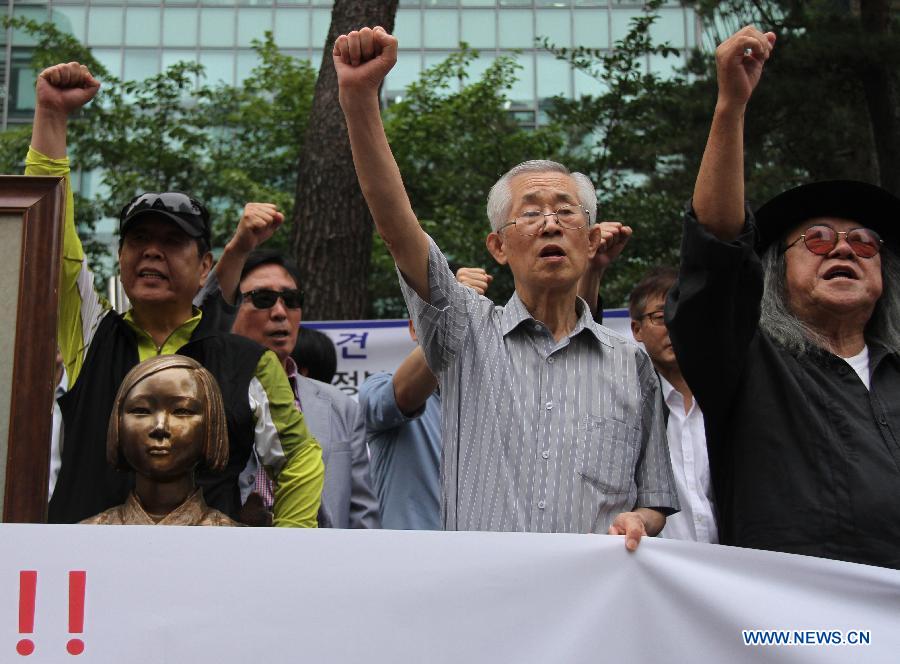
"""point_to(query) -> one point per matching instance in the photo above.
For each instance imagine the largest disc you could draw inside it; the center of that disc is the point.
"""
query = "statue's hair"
(215, 430)
(500, 197)
(780, 323)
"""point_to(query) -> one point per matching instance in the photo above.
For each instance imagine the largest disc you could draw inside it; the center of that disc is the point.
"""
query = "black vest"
(87, 485)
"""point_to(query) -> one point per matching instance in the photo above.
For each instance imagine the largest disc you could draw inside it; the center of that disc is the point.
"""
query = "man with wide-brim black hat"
(786, 325)
(164, 258)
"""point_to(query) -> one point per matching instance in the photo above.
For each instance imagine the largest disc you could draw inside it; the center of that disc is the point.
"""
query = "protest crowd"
(760, 408)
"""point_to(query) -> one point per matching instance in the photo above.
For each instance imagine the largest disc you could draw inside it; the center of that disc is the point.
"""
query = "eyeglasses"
(263, 298)
(533, 222)
(656, 318)
(820, 240)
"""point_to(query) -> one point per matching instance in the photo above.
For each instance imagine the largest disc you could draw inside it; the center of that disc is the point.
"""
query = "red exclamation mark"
(77, 583)
(27, 588)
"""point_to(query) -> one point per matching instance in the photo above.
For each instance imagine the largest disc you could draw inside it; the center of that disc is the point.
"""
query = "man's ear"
(205, 266)
(494, 243)
(636, 331)
(595, 235)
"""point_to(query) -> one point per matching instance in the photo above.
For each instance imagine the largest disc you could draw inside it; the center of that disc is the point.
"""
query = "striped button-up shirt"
(538, 435)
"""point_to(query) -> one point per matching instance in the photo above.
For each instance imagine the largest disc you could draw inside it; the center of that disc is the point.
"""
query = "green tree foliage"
(453, 138)
(226, 145)
(632, 141)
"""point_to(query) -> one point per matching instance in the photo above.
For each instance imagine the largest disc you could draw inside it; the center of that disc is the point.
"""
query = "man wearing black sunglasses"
(163, 260)
(786, 325)
(264, 284)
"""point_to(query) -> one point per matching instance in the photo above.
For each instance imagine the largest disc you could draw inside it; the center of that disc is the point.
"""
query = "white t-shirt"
(860, 364)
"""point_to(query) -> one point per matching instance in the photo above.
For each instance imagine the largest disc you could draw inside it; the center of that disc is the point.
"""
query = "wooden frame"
(37, 206)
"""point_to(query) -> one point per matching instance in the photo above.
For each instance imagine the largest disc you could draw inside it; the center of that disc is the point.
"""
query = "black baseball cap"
(190, 215)
(867, 204)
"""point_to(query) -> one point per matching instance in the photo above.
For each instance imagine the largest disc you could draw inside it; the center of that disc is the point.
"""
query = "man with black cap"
(786, 325)
(164, 258)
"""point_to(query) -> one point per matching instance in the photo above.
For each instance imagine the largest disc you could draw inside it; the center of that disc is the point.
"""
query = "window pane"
(522, 91)
(591, 29)
(22, 80)
(217, 27)
(71, 20)
(478, 3)
(321, 21)
(140, 65)
(142, 26)
(172, 56)
(441, 29)
(621, 21)
(292, 28)
(408, 28)
(479, 28)
(516, 29)
(669, 27)
(219, 67)
(555, 26)
(552, 76)
(406, 71)
(252, 24)
(105, 26)
(246, 61)
(666, 67)
(20, 37)
(180, 27)
(111, 58)
(587, 85)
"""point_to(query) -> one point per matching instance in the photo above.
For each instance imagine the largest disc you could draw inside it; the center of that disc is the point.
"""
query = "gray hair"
(784, 327)
(500, 197)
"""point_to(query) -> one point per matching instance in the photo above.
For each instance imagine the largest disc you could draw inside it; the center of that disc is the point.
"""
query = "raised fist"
(258, 223)
(363, 58)
(475, 278)
(613, 237)
(739, 63)
(66, 87)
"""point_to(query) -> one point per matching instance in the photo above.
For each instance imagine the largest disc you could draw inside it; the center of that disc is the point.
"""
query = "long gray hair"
(783, 326)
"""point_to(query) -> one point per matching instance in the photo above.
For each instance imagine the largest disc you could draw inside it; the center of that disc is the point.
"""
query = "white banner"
(147, 595)
(365, 347)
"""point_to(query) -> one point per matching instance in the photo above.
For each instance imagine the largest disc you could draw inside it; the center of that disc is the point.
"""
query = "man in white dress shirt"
(684, 421)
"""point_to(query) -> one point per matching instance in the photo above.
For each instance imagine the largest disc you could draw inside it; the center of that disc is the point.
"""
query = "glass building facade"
(139, 38)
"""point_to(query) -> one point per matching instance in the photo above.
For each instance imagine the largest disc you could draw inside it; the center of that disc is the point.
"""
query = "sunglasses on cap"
(190, 215)
(821, 240)
(263, 298)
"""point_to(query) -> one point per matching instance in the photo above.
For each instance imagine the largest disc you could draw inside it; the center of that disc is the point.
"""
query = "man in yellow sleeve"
(164, 258)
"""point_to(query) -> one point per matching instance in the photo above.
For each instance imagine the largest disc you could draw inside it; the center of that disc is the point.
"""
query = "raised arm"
(362, 60)
(614, 237)
(61, 90)
(719, 191)
(258, 223)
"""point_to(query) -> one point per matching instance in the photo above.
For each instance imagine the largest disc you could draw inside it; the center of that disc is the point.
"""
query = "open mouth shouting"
(838, 272)
(552, 253)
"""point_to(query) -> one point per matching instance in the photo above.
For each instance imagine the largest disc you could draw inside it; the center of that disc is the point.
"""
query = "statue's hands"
(362, 58)
(258, 223)
(739, 64)
(475, 278)
(65, 88)
(614, 237)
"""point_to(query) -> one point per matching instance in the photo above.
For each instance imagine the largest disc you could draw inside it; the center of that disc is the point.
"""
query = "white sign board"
(152, 595)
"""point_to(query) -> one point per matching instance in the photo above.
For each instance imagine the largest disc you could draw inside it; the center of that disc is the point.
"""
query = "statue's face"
(161, 428)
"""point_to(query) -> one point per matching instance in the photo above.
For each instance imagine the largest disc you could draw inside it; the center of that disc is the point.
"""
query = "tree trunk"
(332, 236)
(879, 80)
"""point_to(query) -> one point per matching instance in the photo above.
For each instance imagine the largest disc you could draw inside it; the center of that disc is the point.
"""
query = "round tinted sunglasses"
(820, 240)
(264, 298)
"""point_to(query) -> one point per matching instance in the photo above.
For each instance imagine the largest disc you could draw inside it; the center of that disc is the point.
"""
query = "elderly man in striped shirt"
(551, 423)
